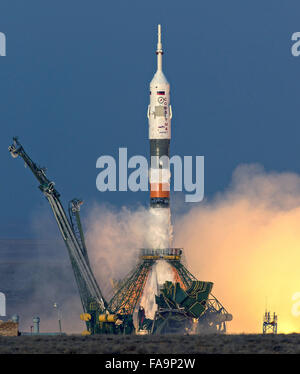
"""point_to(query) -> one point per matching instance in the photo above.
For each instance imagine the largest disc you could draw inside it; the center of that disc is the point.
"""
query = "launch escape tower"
(184, 304)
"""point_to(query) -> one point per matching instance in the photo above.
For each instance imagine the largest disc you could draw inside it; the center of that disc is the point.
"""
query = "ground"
(114, 344)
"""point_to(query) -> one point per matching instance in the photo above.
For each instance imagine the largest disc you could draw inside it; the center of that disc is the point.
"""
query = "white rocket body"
(159, 119)
(159, 109)
(159, 233)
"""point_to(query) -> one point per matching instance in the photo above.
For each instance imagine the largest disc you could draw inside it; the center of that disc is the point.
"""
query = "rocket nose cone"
(159, 78)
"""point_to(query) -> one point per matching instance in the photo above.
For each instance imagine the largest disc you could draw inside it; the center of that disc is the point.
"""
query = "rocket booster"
(159, 117)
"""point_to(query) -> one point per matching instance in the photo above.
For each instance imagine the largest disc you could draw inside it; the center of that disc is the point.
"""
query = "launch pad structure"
(129, 291)
(184, 304)
(191, 300)
(269, 324)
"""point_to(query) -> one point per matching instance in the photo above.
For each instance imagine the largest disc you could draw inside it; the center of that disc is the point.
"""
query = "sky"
(74, 86)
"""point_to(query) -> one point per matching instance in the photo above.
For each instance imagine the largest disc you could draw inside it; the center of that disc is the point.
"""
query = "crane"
(93, 303)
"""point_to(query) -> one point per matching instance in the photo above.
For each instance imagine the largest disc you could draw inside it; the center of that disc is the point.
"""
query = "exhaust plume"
(247, 241)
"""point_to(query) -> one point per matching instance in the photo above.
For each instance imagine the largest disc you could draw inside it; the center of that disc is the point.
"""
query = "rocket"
(159, 118)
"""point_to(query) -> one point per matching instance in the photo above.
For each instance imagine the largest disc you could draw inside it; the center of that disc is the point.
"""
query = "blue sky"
(74, 86)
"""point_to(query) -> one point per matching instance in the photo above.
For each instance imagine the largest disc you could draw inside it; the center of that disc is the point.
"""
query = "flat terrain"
(114, 344)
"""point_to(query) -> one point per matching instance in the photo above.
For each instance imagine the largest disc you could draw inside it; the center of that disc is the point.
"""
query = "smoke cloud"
(247, 241)
(35, 273)
(114, 238)
(160, 273)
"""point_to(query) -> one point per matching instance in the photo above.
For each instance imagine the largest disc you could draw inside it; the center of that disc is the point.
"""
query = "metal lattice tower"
(269, 324)
(70, 230)
(129, 291)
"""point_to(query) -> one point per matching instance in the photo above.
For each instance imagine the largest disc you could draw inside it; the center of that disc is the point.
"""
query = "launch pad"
(185, 305)
(182, 303)
(190, 301)
(161, 253)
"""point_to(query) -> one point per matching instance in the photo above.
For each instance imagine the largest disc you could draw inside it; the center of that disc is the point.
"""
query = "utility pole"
(56, 306)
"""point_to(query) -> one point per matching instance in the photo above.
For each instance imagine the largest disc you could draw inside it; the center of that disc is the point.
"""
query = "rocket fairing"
(159, 117)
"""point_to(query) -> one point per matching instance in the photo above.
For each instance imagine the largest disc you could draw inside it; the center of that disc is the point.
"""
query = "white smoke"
(159, 229)
(246, 241)
(114, 238)
(160, 273)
